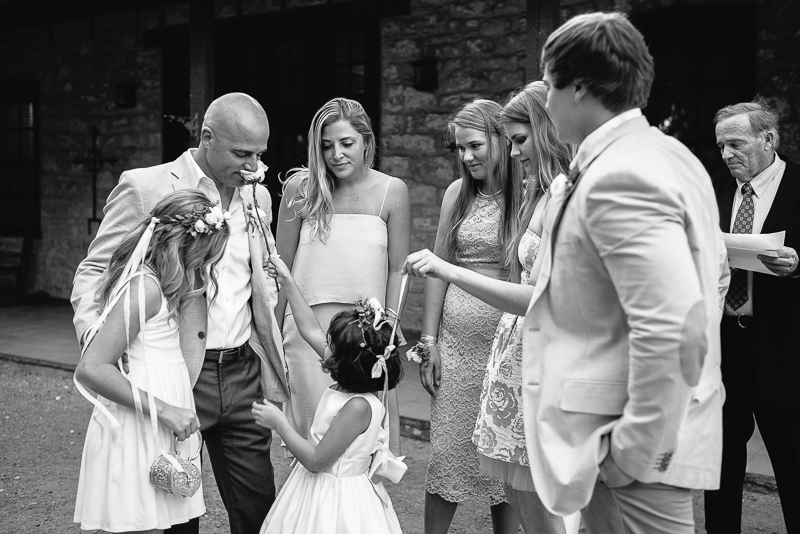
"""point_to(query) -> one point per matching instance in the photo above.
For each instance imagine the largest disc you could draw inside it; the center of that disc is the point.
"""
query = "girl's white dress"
(114, 490)
(341, 499)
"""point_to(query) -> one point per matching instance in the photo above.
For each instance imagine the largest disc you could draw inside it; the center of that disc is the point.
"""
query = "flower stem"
(263, 231)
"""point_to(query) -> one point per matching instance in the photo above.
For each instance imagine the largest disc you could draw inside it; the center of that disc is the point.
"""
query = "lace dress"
(499, 435)
(465, 337)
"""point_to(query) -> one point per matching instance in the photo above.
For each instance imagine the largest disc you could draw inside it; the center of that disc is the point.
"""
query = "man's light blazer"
(621, 340)
(139, 190)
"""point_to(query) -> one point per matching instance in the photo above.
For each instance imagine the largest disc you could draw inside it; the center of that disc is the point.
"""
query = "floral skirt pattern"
(499, 432)
(465, 337)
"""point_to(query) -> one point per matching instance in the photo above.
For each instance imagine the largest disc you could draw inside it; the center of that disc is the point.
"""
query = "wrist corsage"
(418, 353)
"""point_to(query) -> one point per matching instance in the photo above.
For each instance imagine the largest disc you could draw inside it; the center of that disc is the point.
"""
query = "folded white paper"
(744, 249)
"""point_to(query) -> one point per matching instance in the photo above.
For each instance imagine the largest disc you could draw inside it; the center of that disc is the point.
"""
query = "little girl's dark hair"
(351, 364)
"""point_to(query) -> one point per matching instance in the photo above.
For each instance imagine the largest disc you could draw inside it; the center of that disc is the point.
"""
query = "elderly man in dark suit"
(761, 326)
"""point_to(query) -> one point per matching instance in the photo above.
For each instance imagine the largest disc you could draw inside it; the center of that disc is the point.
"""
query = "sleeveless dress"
(114, 490)
(465, 337)
(352, 264)
(499, 435)
(341, 499)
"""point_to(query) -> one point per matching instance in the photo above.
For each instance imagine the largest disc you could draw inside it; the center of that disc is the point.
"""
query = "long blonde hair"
(504, 175)
(181, 260)
(527, 106)
(315, 185)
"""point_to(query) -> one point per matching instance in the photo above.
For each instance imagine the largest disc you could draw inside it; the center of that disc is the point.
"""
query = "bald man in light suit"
(233, 348)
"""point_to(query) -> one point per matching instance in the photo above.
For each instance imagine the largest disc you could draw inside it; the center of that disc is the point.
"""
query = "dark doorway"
(294, 61)
(705, 59)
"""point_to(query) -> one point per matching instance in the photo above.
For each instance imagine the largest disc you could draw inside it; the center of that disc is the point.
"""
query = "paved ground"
(44, 333)
(43, 417)
(42, 424)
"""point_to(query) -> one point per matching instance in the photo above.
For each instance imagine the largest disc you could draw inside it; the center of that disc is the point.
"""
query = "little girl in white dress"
(331, 489)
(157, 268)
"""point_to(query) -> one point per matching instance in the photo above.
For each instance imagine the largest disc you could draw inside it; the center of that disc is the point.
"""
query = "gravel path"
(42, 424)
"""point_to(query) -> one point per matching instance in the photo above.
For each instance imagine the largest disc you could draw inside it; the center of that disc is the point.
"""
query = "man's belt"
(226, 355)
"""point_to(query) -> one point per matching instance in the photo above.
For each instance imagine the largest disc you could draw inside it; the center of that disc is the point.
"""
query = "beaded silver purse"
(174, 474)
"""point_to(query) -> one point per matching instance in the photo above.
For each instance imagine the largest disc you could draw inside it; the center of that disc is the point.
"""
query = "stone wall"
(479, 47)
(78, 66)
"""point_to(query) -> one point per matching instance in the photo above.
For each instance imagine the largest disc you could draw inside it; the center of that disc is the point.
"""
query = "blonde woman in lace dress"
(476, 227)
(499, 435)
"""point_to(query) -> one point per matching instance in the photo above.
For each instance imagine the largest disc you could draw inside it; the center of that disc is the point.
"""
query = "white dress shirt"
(765, 186)
(229, 315)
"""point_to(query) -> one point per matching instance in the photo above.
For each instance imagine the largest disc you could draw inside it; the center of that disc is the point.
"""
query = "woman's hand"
(277, 269)
(267, 414)
(425, 263)
(430, 372)
(181, 421)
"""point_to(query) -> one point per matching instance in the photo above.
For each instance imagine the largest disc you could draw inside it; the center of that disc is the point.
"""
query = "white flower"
(376, 306)
(215, 217)
(413, 355)
(254, 177)
(200, 226)
(558, 187)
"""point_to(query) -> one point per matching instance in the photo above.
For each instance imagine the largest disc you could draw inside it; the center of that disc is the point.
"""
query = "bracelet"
(427, 340)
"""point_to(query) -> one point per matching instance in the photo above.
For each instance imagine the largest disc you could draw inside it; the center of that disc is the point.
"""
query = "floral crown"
(370, 312)
(203, 219)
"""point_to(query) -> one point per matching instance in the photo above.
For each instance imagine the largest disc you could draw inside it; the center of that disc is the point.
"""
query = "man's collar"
(604, 135)
(762, 179)
(186, 169)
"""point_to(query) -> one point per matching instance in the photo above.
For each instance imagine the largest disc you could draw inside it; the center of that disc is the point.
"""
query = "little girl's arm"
(304, 316)
(97, 369)
(351, 421)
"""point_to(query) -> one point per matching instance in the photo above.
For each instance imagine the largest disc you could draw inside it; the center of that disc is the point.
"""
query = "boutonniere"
(559, 187)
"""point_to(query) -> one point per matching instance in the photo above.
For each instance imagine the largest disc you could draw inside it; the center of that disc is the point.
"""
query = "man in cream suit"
(622, 391)
(233, 348)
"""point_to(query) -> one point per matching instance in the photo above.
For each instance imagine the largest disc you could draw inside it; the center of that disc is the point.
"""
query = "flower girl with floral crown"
(144, 414)
(331, 489)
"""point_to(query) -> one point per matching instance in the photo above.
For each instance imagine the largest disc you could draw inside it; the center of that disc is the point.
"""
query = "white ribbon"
(384, 463)
(122, 290)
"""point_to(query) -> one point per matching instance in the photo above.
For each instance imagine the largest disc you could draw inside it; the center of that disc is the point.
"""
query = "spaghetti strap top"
(352, 263)
(384, 195)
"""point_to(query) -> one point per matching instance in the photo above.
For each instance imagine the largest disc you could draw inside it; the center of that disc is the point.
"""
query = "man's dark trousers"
(779, 427)
(238, 448)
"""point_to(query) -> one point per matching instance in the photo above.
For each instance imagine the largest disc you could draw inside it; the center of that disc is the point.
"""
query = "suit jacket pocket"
(594, 397)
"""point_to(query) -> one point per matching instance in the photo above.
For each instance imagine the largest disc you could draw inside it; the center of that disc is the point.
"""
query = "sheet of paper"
(743, 250)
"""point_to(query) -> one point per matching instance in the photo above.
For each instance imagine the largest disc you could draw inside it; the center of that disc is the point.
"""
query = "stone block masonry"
(479, 48)
(78, 66)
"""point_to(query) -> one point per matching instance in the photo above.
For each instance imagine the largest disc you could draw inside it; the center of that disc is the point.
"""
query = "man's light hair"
(760, 114)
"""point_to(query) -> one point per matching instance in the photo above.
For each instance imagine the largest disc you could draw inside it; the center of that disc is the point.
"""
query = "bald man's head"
(234, 136)
(235, 114)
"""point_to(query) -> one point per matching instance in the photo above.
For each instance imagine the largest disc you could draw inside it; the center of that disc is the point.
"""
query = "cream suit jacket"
(621, 339)
(139, 190)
